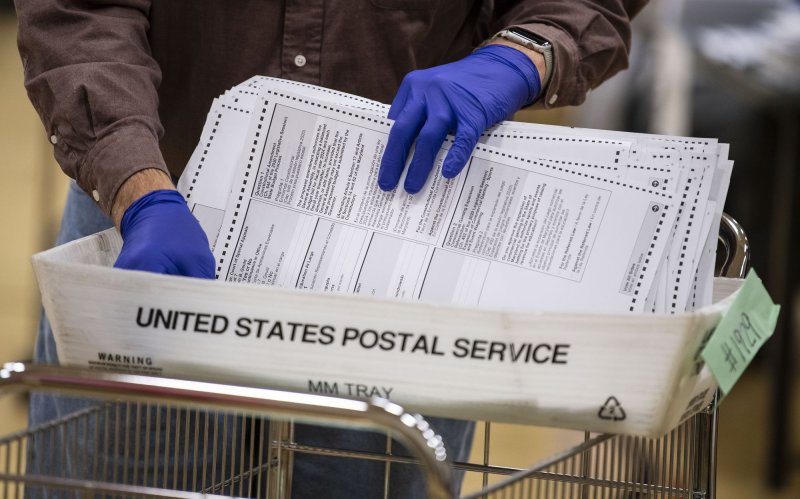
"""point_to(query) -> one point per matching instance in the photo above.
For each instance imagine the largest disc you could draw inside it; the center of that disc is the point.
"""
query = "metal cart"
(158, 437)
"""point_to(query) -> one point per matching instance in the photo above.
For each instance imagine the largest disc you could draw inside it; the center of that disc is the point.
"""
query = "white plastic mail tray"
(633, 374)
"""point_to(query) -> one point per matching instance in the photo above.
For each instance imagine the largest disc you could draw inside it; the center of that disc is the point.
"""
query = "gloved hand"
(161, 235)
(466, 97)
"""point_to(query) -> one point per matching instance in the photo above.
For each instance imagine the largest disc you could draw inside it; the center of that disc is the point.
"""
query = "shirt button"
(53, 139)
(300, 60)
(96, 195)
(553, 99)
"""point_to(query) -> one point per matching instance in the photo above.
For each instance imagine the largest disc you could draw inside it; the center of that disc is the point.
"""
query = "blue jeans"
(178, 460)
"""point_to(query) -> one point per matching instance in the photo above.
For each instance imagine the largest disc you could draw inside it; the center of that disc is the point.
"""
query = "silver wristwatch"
(534, 42)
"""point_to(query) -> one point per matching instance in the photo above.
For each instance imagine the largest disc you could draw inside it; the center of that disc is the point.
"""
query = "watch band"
(534, 42)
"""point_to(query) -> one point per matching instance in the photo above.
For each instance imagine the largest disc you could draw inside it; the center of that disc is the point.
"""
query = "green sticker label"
(745, 327)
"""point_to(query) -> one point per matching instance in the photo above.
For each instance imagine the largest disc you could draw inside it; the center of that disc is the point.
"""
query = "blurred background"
(728, 69)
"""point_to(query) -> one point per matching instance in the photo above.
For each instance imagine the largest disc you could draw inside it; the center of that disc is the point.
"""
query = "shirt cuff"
(116, 157)
(567, 87)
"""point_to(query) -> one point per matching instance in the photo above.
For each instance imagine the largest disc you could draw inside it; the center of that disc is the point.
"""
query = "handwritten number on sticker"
(744, 338)
(743, 329)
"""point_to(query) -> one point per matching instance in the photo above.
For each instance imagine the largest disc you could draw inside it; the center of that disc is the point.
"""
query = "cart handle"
(410, 429)
(737, 248)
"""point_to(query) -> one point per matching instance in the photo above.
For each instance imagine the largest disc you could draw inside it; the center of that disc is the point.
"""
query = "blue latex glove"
(161, 235)
(465, 97)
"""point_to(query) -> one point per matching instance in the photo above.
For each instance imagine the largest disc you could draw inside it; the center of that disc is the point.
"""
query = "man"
(123, 86)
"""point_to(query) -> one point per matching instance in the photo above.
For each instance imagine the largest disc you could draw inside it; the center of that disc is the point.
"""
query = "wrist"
(536, 58)
(136, 186)
(520, 64)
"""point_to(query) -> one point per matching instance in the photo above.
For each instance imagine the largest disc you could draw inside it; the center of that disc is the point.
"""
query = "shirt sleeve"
(591, 40)
(90, 75)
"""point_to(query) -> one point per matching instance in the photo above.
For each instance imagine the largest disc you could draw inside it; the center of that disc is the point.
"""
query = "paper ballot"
(509, 232)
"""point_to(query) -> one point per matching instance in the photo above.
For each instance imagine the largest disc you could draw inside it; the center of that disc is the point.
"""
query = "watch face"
(538, 40)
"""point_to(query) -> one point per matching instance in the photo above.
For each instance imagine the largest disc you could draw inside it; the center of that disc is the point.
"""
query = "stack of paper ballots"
(542, 218)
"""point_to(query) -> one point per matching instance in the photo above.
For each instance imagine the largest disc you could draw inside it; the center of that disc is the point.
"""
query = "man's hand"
(159, 232)
(465, 97)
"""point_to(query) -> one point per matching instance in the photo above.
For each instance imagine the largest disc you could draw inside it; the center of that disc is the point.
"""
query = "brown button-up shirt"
(124, 85)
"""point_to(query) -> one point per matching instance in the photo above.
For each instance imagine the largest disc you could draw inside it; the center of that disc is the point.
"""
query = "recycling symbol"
(611, 410)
